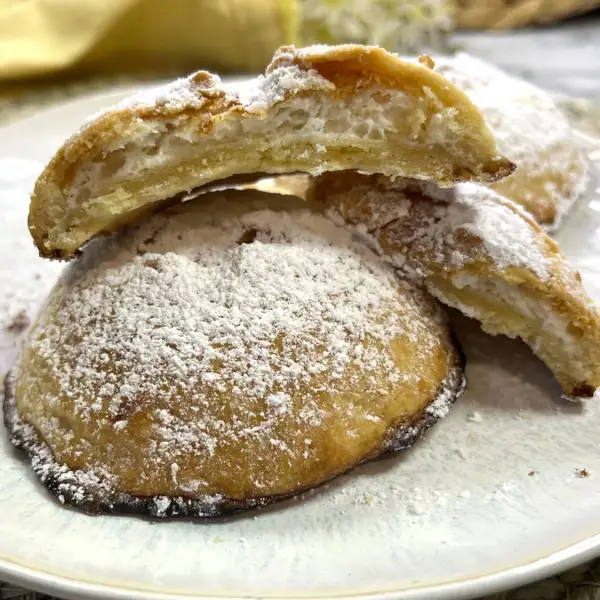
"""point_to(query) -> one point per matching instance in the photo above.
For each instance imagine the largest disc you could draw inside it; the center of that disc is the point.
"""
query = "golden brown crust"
(84, 191)
(94, 500)
(454, 242)
(230, 352)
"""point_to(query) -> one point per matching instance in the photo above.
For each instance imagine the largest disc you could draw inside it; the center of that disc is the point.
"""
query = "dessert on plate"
(239, 346)
(229, 352)
(482, 254)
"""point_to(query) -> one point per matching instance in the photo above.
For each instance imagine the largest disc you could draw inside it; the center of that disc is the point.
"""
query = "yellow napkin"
(42, 37)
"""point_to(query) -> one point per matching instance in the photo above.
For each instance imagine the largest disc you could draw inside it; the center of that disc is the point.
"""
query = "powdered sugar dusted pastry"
(316, 109)
(531, 130)
(480, 253)
(229, 352)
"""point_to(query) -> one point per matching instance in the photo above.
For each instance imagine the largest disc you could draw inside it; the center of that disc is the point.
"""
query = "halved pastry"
(480, 253)
(316, 109)
(531, 130)
(230, 352)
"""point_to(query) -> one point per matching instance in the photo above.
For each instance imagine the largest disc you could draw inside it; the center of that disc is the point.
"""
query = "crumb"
(582, 473)
(461, 453)
(427, 61)
(19, 322)
(217, 540)
(37, 276)
(532, 473)
(474, 417)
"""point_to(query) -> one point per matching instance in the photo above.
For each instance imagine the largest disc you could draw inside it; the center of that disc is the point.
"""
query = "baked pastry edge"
(87, 492)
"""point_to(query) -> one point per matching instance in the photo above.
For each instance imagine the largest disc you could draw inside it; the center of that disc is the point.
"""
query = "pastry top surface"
(482, 254)
(315, 109)
(337, 70)
(228, 347)
(530, 130)
(494, 230)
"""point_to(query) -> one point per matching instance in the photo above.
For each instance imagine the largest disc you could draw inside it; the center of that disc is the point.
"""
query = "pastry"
(531, 131)
(316, 109)
(482, 254)
(229, 352)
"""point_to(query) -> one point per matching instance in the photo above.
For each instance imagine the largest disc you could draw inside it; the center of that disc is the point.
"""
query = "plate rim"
(572, 554)
(515, 576)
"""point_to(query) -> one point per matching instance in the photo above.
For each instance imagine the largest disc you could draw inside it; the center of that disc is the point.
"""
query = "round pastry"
(531, 131)
(482, 254)
(316, 109)
(227, 353)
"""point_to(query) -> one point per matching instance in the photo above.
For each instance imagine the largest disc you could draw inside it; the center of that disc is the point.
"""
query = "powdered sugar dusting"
(267, 90)
(506, 235)
(269, 310)
(440, 407)
(508, 239)
(529, 129)
(186, 92)
(92, 487)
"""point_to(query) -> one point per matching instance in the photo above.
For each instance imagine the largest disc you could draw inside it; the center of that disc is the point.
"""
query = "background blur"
(53, 48)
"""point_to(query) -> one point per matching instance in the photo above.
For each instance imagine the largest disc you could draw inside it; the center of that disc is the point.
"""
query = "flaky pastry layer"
(316, 109)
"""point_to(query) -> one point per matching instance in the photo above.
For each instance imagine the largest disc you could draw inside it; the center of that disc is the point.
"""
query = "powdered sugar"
(267, 90)
(505, 234)
(529, 129)
(93, 487)
(441, 405)
(268, 309)
(508, 239)
(186, 92)
(474, 417)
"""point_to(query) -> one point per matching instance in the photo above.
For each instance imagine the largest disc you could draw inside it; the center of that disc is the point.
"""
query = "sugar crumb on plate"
(19, 322)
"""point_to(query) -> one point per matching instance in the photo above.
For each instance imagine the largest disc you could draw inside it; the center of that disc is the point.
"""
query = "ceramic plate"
(493, 498)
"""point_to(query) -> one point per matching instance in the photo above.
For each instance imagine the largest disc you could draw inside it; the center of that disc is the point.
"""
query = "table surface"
(563, 58)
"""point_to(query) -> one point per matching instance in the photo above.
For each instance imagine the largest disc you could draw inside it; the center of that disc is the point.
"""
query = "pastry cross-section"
(316, 109)
(482, 254)
(230, 352)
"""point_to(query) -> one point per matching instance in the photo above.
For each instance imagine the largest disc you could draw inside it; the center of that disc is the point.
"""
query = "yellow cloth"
(42, 37)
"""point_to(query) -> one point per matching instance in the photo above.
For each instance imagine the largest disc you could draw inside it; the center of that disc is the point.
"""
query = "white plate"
(458, 516)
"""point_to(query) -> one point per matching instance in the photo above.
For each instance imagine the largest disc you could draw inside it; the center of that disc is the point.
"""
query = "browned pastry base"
(63, 485)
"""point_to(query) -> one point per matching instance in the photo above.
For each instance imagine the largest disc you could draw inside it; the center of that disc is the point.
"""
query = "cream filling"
(506, 309)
